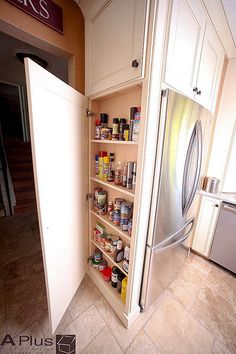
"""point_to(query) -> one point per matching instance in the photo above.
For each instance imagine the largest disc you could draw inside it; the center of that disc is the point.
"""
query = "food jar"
(107, 274)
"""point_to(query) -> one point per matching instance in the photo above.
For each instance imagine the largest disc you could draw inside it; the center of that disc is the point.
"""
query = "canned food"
(116, 218)
(130, 227)
(97, 255)
(118, 202)
(102, 265)
(108, 243)
(106, 133)
(124, 224)
(126, 210)
(102, 241)
(113, 246)
(102, 202)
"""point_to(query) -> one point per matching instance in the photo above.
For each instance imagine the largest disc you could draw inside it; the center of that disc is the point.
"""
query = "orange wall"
(16, 23)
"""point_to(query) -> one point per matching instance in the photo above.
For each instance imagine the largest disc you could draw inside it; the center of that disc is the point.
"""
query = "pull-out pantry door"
(57, 114)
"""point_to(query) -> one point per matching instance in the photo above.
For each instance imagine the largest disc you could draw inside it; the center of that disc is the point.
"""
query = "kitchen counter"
(225, 197)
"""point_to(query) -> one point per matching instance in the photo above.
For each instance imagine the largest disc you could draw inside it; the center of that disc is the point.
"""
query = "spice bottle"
(122, 128)
(119, 254)
(136, 127)
(121, 276)
(126, 133)
(104, 120)
(111, 172)
(134, 176)
(126, 258)
(133, 110)
(97, 130)
(114, 277)
(130, 174)
(124, 177)
(115, 129)
(96, 165)
(105, 168)
(119, 174)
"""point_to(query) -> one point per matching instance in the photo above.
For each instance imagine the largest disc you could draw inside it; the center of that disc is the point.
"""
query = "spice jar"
(97, 130)
(115, 129)
(108, 243)
(119, 173)
(122, 127)
(114, 240)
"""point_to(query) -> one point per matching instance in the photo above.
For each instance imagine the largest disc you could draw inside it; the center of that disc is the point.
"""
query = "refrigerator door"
(180, 165)
(162, 264)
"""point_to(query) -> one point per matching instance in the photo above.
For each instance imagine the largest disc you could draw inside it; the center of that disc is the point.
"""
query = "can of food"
(108, 243)
(113, 245)
(130, 227)
(126, 210)
(95, 264)
(95, 200)
(102, 240)
(118, 202)
(102, 202)
(124, 224)
(102, 265)
(116, 217)
(97, 255)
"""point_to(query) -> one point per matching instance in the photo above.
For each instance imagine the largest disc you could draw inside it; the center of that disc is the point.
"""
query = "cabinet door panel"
(114, 38)
(56, 125)
(210, 68)
(206, 224)
(185, 41)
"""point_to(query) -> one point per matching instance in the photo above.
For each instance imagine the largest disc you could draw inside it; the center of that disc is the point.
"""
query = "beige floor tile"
(86, 295)
(217, 314)
(142, 344)
(223, 283)
(187, 285)
(86, 327)
(201, 264)
(174, 331)
(219, 348)
(44, 323)
(104, 343)
(122, 335)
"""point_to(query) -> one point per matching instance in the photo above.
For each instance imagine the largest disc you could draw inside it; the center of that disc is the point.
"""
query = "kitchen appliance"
(177, 172)
(211, 184)
(223, 250)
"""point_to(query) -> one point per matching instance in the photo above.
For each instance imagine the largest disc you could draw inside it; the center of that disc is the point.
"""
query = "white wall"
(224, 124)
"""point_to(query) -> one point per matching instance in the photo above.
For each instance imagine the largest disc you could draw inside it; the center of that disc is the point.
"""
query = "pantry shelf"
(104, 219)
(118, 142)
(118, 265)
(111, 291)
(113, 186)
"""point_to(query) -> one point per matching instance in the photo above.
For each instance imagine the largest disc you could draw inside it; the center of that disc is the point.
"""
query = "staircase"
(19, 159)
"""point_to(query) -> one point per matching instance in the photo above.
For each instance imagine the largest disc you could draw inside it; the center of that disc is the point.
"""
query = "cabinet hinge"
(89, 196)
(90, 113)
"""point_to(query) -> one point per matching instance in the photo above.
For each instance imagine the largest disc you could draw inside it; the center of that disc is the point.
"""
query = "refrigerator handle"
(186, 165)
(178, 242)
(198, 168)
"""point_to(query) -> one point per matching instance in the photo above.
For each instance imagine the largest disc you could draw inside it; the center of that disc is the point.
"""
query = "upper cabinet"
(210, 68)
(115, 36)
(188, 21)
(195, 55)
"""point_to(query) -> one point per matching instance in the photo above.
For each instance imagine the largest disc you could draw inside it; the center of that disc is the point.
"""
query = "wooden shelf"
(106, 221)
(106, 254)
(108, 287)
(113, 186)
(135, 143)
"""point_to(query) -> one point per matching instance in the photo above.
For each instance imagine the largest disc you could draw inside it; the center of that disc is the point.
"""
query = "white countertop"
(225, 197)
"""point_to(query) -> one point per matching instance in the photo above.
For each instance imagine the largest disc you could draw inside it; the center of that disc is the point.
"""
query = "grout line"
(155, 345)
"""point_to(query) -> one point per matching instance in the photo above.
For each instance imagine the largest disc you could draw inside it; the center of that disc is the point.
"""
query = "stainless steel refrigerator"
(177, 173)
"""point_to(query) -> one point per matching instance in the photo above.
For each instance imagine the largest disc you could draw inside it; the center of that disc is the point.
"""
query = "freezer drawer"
(223, 249)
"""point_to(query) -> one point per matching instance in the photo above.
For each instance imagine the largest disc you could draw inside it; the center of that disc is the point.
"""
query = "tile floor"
(197, 314)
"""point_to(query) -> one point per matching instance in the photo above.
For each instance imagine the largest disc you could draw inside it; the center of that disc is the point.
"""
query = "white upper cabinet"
(187, 29)
(210, 69)
(115, 36)
(195, 55)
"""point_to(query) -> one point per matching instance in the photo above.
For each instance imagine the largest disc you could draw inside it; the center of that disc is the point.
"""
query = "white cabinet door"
(210, 69)
(206, 224)
(56, 125)
(187, 29)
(114, 39)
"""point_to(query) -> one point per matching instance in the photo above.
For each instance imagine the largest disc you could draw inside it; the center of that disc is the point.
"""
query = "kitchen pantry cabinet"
(65, 198)
(206, 225)
(115, 43)
(195, 55)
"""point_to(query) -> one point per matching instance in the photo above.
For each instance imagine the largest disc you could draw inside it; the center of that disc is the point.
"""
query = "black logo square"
(65, 344)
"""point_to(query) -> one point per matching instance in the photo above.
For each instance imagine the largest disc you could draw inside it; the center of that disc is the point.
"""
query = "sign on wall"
(45, 11)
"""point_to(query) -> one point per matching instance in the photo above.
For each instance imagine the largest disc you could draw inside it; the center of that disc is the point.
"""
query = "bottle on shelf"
(134, 176)
(122, 126)
(104, 120)
(126, 258)
(115, 129)
(129, 174)
(96, 165)
(136, 127)
(119, 173)
(126, 133)
(133, 110)
(114, 276)
(98, 129)
(121, 276)
(105, 168)
(119, 254)
(124, 177)
(111, 172)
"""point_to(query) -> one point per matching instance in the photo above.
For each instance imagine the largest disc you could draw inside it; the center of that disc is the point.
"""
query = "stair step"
(20, 166)
(21, 175)
(25, 207)
(25, 195)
